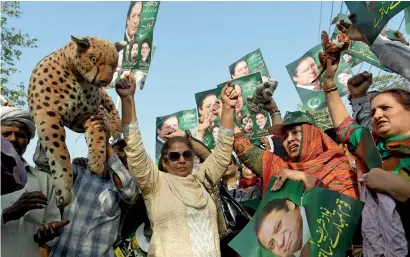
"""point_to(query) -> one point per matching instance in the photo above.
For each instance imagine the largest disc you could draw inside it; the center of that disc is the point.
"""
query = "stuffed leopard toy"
(261, 98)
(332, 50)
(66, 90)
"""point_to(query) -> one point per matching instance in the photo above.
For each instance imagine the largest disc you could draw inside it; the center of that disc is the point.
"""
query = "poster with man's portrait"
(209, 105)
(306, 69)
(250, 63)
(292, 222)
(256, 125)
(136, 57)
(358, 51)
(166, 125)
(370, 17)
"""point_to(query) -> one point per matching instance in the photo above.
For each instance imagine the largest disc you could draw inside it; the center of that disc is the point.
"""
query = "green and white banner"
(136, 57)
(306, 69)
(358, 51)
(291, 222)
(252, 125)
(370, 17)
(165, 125)
(250, 63)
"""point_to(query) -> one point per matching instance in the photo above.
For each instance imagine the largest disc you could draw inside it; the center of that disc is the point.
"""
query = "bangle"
(275, 113)
(329, 85)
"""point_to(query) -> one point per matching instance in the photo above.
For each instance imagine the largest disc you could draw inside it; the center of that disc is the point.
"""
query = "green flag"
(358, 51)
(370, 17)
(317, 222)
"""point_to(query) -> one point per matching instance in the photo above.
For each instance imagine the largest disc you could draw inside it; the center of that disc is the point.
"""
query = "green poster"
(250, 63)
(256, 125)
(138, 52)
(407, 20)
(290, 222)
(358, 51)
(209, 107)
(370, 17)
(306, 69)
(140, 76)
(137, 56)
(183, 120)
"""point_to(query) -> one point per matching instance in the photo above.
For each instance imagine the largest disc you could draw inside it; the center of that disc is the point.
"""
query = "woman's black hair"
(167, 145)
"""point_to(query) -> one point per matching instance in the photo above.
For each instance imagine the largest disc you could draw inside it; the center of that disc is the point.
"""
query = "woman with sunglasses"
(182, 214)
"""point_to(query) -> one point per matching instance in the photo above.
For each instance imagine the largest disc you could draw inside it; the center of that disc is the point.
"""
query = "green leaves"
(13, 40)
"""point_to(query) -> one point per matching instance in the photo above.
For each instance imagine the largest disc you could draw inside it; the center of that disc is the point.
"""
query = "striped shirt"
(95, 212)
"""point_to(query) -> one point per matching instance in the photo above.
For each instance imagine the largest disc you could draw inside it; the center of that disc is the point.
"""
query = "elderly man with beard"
(33, 209)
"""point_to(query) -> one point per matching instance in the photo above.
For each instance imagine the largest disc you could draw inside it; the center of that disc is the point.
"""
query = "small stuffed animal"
(262, 96)
(66, 89)
(332, 50)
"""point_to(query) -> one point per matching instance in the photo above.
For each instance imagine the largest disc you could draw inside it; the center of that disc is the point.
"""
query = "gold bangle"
(328, 85)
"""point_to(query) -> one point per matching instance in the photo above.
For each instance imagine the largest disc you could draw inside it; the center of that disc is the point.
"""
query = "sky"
(196, 43)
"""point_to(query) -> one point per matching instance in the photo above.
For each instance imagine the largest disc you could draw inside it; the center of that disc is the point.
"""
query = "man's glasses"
(175, 156)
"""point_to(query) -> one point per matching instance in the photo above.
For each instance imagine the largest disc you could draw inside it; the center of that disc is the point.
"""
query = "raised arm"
(274, 113)
(337, 109)
(252, 156)
(139, 163)
(218, 161)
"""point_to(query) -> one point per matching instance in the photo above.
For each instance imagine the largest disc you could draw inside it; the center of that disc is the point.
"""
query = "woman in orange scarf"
(311, 154)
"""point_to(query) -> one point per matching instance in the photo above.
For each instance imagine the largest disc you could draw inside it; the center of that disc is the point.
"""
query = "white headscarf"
(16, 114)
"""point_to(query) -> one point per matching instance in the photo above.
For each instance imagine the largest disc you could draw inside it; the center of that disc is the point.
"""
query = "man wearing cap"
(95, 211)
(29, 214)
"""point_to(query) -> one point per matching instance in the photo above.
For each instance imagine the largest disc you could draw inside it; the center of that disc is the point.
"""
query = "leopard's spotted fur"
(66, 90)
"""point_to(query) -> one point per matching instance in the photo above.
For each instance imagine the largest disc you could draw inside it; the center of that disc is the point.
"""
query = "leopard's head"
(96, 59)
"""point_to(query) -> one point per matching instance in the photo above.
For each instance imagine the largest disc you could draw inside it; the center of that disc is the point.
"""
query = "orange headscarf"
(320, 156)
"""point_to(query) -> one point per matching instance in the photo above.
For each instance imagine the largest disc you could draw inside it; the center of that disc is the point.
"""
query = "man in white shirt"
(32, 211)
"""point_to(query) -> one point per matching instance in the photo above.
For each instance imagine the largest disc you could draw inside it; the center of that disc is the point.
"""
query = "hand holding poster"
(250, 63)
(253, 125)
(209, 105)
(291, 222)
(137, 56)
(370, 17)
(307, 68)
(179, 121)
(358, 51)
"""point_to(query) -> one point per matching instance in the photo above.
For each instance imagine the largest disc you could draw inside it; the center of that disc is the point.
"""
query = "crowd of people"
(171, 202)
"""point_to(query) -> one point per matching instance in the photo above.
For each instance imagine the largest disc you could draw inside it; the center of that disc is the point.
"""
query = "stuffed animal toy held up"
(66, 89)
(332, 50)
(262, 96)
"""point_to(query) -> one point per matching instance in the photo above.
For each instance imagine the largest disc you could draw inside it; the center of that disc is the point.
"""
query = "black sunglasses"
(175, 156)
